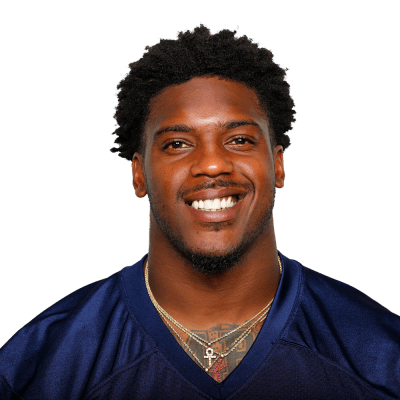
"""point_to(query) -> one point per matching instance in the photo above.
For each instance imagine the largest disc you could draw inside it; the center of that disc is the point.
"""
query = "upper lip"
(215, 193)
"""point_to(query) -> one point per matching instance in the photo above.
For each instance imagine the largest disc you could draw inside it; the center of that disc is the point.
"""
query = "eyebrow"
(227, 126)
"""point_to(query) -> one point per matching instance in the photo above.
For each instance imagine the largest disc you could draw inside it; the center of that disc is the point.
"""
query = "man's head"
(194, 54)
(209, 142)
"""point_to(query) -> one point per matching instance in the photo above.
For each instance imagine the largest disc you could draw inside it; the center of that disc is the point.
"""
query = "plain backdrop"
(69, 215)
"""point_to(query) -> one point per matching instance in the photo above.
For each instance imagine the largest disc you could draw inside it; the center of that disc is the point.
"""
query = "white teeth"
(214, 204)
(208, 204)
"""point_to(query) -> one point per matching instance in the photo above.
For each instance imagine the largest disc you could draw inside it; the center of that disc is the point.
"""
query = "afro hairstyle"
(196, 54)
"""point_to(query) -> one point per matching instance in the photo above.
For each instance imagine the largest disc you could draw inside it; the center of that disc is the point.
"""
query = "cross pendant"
(209, 355)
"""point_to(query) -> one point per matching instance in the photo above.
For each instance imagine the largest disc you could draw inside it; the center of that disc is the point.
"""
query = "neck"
(200, 301)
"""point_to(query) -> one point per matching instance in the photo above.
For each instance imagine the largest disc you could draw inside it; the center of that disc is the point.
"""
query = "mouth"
(216, 207)
(216, 203)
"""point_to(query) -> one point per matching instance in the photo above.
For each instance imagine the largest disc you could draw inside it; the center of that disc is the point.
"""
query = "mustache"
(216, 183)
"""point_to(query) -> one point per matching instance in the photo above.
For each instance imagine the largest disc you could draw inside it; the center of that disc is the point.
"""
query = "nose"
(212, 160)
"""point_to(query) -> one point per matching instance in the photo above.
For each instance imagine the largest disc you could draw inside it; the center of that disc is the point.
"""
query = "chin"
(213, 261)
(205, 257)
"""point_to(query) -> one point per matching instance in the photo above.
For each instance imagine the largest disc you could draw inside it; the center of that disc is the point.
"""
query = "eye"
(176, 144)
(240, 141)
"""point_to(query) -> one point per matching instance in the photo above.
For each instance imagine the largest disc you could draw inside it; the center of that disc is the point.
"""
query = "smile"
(216, 204)
(212, 209)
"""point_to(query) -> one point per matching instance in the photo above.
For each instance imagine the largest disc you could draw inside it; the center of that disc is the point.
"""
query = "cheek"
(165, 180)
(260, 172)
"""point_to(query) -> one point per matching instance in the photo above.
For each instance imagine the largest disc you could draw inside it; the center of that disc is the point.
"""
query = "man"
(213, 311)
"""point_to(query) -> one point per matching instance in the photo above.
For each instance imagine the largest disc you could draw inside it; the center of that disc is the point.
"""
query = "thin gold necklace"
(212, 355)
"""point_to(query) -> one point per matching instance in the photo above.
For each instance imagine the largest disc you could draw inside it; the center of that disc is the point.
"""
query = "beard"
(208, 262)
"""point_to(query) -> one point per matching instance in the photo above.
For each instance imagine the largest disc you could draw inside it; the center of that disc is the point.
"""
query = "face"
(209, 170)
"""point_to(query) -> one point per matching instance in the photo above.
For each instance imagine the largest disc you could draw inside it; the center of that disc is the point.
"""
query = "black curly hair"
(194, 54)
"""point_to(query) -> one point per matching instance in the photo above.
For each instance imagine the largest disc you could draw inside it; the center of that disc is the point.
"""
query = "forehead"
(204, 101)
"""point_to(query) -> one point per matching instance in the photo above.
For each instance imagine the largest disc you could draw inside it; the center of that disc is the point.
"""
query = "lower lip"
(215, 216)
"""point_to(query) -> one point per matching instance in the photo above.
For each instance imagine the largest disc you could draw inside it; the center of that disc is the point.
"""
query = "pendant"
(209, 355)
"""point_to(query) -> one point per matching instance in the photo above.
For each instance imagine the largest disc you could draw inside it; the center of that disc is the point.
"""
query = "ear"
(139, 179)
(279, 170)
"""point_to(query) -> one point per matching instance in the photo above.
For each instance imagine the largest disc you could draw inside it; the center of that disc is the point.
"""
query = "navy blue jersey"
(322, 340)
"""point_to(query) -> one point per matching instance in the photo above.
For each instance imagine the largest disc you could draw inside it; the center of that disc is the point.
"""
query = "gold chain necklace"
(262, 315)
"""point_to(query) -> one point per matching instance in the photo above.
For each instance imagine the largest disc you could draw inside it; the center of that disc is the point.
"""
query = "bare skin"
(221, 367)
(192, 140)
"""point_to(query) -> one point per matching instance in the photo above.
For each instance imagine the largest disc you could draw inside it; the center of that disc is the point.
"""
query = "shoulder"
(345, 327)
(350, 310)
(341, 315)
(76, 311)
(345, 307)
(72, 343)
